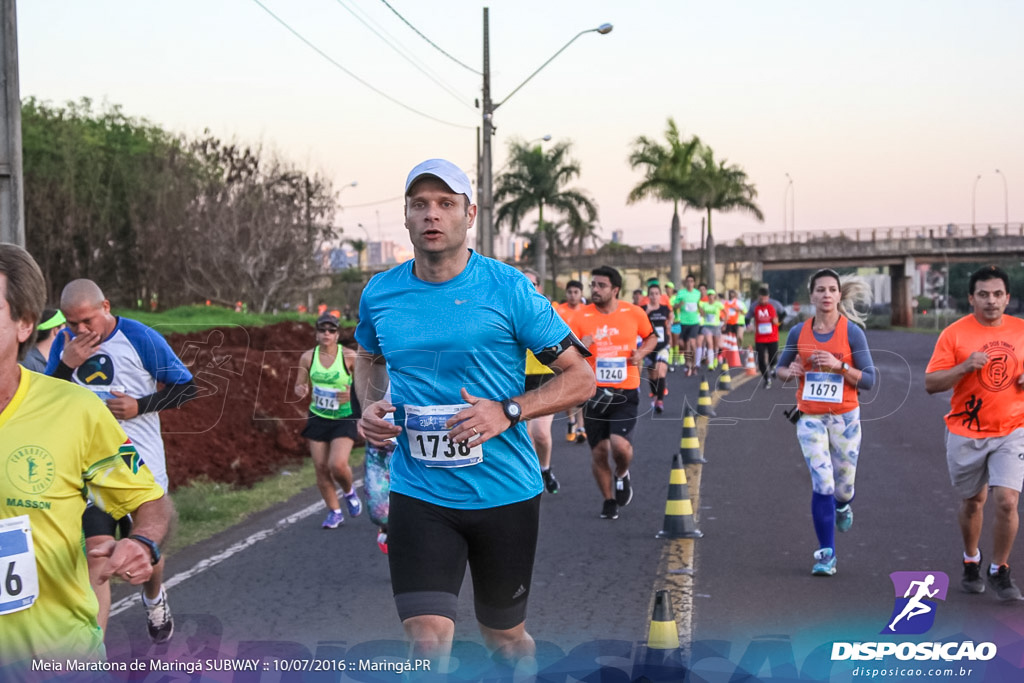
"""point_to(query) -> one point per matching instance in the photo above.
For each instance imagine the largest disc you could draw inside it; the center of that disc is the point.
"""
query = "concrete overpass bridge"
(900, 249)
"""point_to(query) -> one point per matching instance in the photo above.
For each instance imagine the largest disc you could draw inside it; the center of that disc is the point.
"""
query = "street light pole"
(790, 192)
(1006, 201)
(974, 200)
(485, 193)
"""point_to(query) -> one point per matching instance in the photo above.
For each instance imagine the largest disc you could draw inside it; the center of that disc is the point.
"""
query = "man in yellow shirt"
(47, 606)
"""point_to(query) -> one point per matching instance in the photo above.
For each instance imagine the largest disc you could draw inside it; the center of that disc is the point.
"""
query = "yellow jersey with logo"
(58, 443)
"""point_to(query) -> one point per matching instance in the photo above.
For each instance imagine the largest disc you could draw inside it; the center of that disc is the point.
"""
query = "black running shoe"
(610, 509)
(550, 483)
(159, 620)
(623, 491)
(972, 581)
(1003, 585)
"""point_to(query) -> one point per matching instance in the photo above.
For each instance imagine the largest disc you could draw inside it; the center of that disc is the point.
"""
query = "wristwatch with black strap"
(513, 411)
(154, 549)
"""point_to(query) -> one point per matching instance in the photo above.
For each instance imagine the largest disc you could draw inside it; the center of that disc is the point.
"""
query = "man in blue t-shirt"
(448, 333)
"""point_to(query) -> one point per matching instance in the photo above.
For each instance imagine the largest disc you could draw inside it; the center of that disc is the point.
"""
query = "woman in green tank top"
(326, 376)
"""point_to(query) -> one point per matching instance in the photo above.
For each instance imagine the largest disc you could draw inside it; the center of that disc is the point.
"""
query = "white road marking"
(214, 560)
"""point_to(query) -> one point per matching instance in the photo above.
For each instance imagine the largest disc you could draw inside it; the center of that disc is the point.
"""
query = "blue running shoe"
(334, 520)
(844, 518)
(355, 508)
(824, 562)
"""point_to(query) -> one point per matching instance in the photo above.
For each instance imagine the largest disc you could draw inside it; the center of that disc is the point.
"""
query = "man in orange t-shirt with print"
(981, 358)
(610, 328)
(566, 310)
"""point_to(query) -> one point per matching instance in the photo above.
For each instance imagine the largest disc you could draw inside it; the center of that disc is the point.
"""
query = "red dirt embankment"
(246, 421)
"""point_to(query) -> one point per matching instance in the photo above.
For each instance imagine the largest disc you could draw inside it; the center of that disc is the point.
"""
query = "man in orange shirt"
(981, 358)
(609, 328)
(567, 309)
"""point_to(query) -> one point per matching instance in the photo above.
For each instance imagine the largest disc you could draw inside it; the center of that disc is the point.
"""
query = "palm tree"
(535, 179)
(668, 175)
(360, 247)
(576, 233)
(719, 186)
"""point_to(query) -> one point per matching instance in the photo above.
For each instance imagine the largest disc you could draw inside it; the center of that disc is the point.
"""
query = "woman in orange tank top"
(829, 357)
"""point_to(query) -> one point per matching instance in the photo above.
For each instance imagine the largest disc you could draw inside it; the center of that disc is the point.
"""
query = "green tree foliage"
(537, 178)
(719, 186)
(669, 176)
(140, 210)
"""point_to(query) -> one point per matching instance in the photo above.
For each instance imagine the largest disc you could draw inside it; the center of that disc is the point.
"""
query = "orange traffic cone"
(732, 352)
(679, 521)
(751, 369)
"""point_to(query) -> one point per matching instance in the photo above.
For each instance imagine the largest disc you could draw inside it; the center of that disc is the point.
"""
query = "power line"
(462, 100)
(429, 41)
(352, 75)
(380, 201)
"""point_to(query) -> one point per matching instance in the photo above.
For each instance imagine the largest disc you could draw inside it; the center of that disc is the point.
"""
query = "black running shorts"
(617, 417)
(326, 430)
(429, 546)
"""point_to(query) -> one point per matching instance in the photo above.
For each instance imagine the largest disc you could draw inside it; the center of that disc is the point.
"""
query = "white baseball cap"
(445, 171)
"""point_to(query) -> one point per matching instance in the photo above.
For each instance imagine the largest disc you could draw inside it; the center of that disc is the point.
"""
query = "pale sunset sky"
(883, 112)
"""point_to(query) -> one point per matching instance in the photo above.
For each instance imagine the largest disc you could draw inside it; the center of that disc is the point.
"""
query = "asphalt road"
(747, 593)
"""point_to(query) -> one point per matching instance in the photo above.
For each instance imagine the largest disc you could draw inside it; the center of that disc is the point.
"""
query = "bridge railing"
(754, 239)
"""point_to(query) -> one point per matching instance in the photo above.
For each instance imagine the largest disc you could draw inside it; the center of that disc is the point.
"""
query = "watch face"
(513, 409)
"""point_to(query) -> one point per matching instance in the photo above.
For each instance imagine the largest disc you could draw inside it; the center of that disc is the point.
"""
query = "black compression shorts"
(96, 522)
(429, 546)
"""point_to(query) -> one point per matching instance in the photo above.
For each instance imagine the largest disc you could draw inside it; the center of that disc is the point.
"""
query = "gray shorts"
(993, 461)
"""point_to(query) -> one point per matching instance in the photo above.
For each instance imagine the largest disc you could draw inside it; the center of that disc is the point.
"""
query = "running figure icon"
(915, 606)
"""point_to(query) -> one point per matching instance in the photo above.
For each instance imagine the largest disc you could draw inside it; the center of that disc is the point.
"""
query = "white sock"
(700, 354)
(975, 558)
(993, 569)
(155, 601)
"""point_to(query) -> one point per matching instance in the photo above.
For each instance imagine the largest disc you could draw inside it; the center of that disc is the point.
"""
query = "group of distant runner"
(458, 367)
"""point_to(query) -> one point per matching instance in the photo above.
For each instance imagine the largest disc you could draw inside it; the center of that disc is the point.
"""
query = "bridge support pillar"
(902, 305)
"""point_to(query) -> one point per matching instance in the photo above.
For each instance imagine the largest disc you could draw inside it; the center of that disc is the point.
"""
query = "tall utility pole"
(485, 174)
(485, 204)
(12, 198)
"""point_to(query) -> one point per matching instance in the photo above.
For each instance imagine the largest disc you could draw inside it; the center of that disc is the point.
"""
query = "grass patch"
(197, 318)
(205, 508)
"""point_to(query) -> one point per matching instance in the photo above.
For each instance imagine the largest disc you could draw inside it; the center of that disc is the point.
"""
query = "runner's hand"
(123, 406)
(126, 558)
(374, 428)
(79, 349)
(477, 424)
(976, 361)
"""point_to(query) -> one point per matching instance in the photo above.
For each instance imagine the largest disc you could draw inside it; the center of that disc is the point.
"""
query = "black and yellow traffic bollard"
(724, 380)
(689, 443)
(704, 408)
(679, 522)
